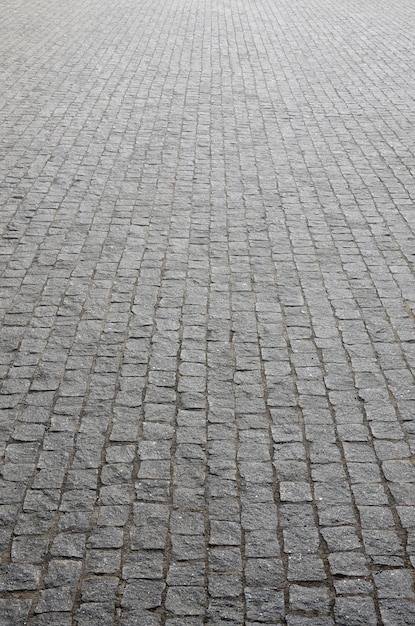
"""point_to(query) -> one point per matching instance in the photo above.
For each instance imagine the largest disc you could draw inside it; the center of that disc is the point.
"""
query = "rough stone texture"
(207, 307)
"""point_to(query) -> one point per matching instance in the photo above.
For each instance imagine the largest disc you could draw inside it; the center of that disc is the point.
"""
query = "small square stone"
(295, 492)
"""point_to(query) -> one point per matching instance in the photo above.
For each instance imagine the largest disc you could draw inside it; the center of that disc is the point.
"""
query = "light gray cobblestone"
(207, 305)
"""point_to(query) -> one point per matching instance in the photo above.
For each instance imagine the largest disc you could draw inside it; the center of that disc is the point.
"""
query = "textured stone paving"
(208, 312)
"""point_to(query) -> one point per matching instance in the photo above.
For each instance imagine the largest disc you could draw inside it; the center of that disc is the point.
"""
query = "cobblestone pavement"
(208, 306)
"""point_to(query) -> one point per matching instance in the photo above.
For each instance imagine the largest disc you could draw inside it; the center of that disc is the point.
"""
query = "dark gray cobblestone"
(207, 307)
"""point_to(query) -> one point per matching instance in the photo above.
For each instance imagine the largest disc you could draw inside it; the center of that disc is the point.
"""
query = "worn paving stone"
(207, 310)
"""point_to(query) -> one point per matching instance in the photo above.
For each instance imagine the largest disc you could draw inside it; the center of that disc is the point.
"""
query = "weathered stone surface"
(207, 312)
